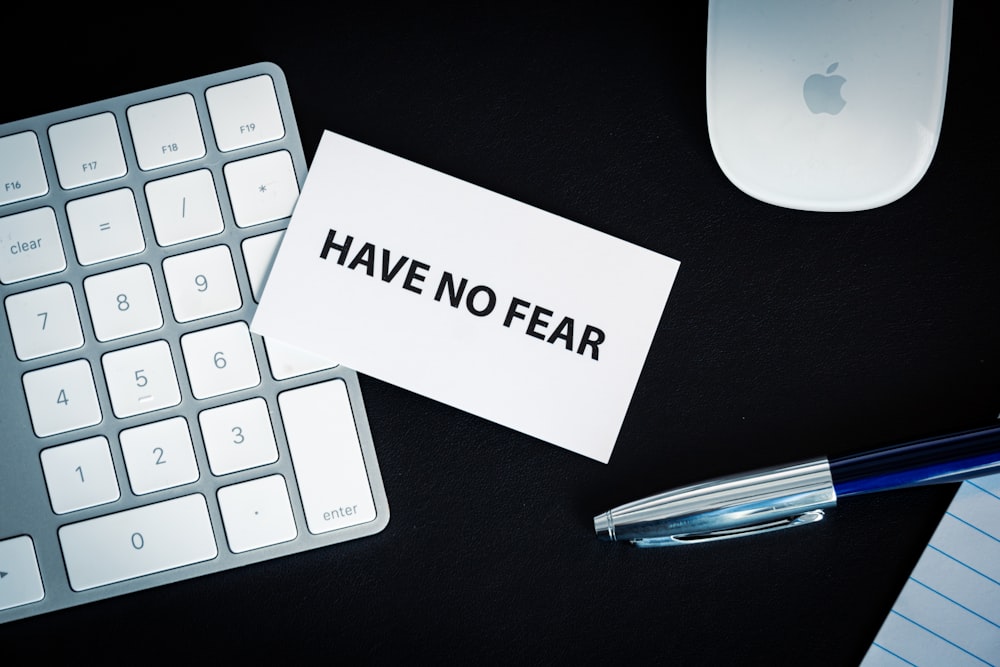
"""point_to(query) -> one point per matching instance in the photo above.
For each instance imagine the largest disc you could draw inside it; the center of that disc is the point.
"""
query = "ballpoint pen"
(797, 494)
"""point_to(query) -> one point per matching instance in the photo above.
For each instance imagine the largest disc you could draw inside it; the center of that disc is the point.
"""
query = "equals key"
(105, 226)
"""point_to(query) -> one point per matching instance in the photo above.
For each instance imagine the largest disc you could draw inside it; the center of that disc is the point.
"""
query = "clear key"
(30, 245)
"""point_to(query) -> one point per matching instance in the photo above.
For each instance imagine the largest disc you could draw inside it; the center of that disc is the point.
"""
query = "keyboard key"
(22, 174)
(80, 475)
(105, 226)
(262, 188)
(184, 207)
(258, 255)
(238, 436)
(286, 361)
(324, 445)
(257, 514)
(30, 245)
(141, 379)
(244, 113)
(137, 542)
(202, 283)
(61, 398)
(44, 321)
(159, 455)
(220, 360)
(87, 150)
(22, 583)
(123, 303)
(166, 131)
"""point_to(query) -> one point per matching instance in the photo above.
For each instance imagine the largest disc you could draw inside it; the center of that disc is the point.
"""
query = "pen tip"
(604, 527)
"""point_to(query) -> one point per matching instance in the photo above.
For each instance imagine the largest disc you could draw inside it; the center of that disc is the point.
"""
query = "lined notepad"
(948, 613)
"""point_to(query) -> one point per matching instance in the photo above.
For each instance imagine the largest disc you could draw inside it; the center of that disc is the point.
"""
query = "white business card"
(465, 296)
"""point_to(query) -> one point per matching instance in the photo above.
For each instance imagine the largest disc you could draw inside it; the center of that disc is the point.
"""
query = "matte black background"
(787, 335)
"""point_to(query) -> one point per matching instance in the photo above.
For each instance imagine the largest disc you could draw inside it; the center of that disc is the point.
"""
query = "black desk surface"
(787, 335)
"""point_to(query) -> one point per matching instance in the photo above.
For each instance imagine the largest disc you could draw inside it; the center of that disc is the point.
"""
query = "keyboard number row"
(123, 303)
(141, 379)
(159, 455)
(237, 436)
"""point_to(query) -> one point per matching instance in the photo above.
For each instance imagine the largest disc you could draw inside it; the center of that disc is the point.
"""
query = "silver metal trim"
(723, 508)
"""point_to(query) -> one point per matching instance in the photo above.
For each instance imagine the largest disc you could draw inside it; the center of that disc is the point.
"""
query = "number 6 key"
(220, 360)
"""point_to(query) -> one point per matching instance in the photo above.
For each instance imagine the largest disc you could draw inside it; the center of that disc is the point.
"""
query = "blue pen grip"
(950, 458)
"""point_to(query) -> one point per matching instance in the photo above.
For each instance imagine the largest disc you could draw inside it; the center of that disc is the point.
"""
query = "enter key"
(327, 456)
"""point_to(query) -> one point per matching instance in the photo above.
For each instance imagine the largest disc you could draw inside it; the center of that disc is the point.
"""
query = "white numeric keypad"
(147, 431)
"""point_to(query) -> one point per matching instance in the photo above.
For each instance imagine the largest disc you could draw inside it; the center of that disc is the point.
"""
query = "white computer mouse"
(826, 105)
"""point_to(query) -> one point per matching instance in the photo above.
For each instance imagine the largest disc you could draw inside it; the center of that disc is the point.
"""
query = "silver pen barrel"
(726, 507)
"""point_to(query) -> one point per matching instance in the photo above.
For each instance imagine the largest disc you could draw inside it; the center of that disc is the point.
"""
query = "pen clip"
(812, 516)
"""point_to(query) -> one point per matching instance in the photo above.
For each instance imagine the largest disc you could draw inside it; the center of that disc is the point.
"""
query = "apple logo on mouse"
(822, 92)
